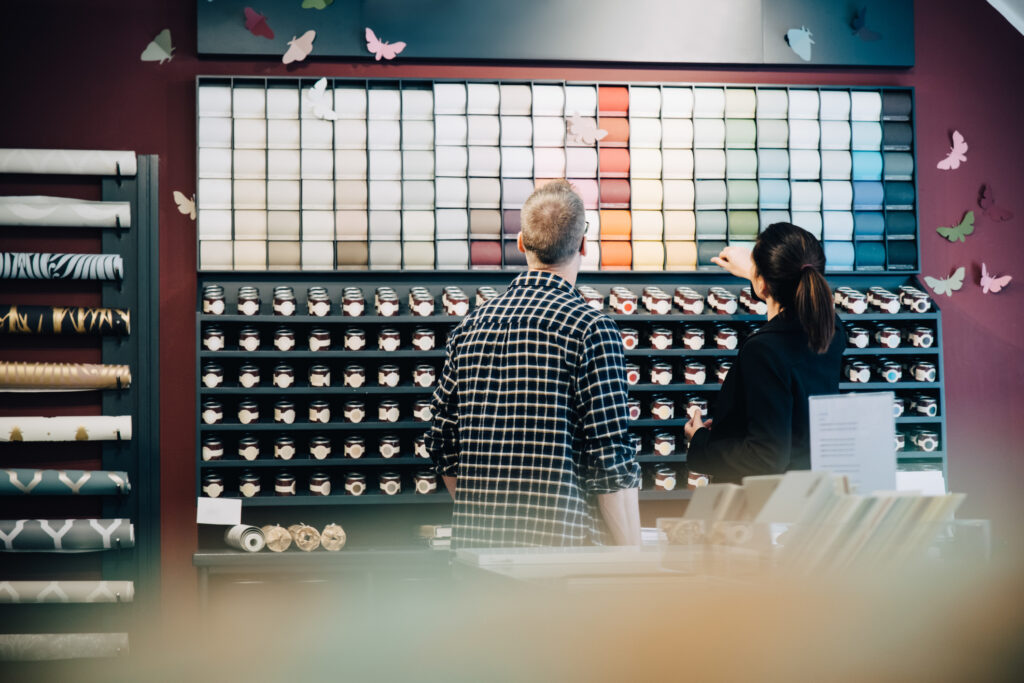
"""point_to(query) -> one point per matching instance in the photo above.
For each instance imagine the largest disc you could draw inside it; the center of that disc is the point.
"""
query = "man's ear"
(583, 247)
(519, 243)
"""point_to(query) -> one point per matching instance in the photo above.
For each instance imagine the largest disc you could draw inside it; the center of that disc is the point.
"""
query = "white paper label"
(284, 343)
(354, 343)
(283, 381)
(248, 380)
(214, 343)
(226, 511)
(211, 380)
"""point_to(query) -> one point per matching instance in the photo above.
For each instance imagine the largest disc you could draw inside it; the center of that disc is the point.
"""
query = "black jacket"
(760, 418)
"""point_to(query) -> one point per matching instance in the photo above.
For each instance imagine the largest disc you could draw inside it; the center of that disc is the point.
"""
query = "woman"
(760, 421)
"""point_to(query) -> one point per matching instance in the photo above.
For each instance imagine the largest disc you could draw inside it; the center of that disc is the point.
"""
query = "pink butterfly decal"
(299, 48)
(992, 285)
(584, 130)
(988, 205)
(380, 49)
(257, 23)
(957, 153)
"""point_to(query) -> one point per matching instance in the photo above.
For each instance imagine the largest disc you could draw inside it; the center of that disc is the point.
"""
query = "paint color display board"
(423, 175)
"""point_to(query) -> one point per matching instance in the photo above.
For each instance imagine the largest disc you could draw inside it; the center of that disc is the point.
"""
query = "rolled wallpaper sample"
(709, 164)
(868, 223)
(805, 196)
(613, 100)
(805, 164)
(681, 255)
(64, 212)
(903, 254)
(898, 165)
(740, 103)
(870, 255)
(592, 259)
(742, 194)
(35, 266)
(677, 133)
(63, 376)
(709, 133)
(484, 130)
(803, 104)
(743, 225)
(710, 194)
(245, 537)
(35, 647)
(707, 251)
(836, 195)
(66, 591)
(773, 163)
(548, 100)
(617, 130)
(514, 192)
(352, 254)
(65, 535)
(418, 165)
(771, 217)
(866, 135)
(865, 105)
(549, 162)
(773, 193)
(511, 222)
(900, 224)
(899, 196)
(836, 165)
(452, 223)
(615, 193)
(385, 103)
(516, 99)
(838, 225)
(418, 255)
(804, 134)
(867, 165)
(451, 130)
(838, 255)
(15, 482)
(69, 161)
(678, 194)
(680, 225)
(895, 106)
(646, 194)
(548, 131)
(677, 163)
(587, 189)
(740, 133)
(741, 163)
(61, 320)
(645, 101)
(644, 133)
(677, 102)
(513, 257)
(614, 163)
(484, 161)
(867, 195)
(485, 193)
(644, 163)
(772, 133)
(616, 255)
(616, 225)
(708, 102)
(712, 225)
(648, 255)
(772, 104)
(417, 103)
(452, 254)
(835, 105)
(74, 428)
(811, 221)
(647, 225)
(449, 98)
(835, 135)
(485, 253)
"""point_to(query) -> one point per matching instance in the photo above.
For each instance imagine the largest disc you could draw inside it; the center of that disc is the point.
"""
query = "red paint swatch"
(618, 131)
(613, 163)
(613, 101)
(615, 194)
(616, 225)
(616, 255)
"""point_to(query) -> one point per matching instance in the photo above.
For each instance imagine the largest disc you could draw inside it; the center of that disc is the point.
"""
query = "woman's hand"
(695, 423)
(737, 261)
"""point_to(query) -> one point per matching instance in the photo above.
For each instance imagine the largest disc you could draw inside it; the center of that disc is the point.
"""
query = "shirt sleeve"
(442, 439)
(765, 448)
(609, 463)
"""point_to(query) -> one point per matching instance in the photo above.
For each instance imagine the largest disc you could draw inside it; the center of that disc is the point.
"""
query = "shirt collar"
(540, 278)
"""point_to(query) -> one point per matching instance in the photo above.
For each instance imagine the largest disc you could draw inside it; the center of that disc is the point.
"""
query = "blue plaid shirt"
(530, 416)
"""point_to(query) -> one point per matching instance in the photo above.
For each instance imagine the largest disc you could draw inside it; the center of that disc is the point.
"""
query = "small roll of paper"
(74, 428)
(62, 320)
(333, 537)
(64, 212)
(66, 591)
(30, 377)
(65, 535)
(33, 266)
(306, 537)
(277, 537)
(245, 537)
(15, 482)
(37, 647)
(68, 161)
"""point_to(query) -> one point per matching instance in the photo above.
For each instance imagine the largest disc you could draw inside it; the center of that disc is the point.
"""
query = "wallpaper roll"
(870, 255)
(838, 225)
(743, 225)
(644, 133)
(895, 105)
(485, 253)
(215, 255)
(251, 134)
(773, 163)
(511, 222)
(483, 130)
(418, 165)
(645, 101)
(648, 255)
(898, 165)
(76, 428)
(215, 100)
(484, 193)
(867, 165)
(385, 255)
(866, 135)
(740, 103)
(214, 163)
(645, 163)
(451, 192)
(515, 99)
(615, 225)
(63, 376)
(418, 194)
(280, 134)
(677, 133)
(835, 135)
(353, 255)
(249, 103)
(741, 163)
(417, 104)
(865, 105)
(838, 255)
(836, 165)
(680, 225)
(285, 164)
(516, 131)
(615, 193)
(708, 250)
(548, 131)
(712, 225)
(772, 104)
(385, 103)
(708, 133)
(214, 132)
(900, 224)
(549, 162)
(385, 164)
(708, 102)
(548, 100)
(316, 195)
(710, 194)
(679, 194)
(451, 161)
(65, 535)
(67, 161)
(593, 219)
(897, 136)
(613, 100)
(451, 130)
(836, 195)
(66, 591)
(252, 163)
(804, 134)
(516, 162)
(811, 221)
(647, 194)
(512, 255)
(581, 162)
(418, 226)
(868, 224)
(514, 192)
(587, 189)
(33, 647)
(449, 98)
(835, 105)
(742, 194)
(867, 196)
(899, 196)
(805, 196)
(773, 194)
(647, 225)
(903, 255)
(64, 212)
(317, 134)
(452, 223)
(60, 320)
(250, 255)
(385, 225)
(283, 103)
(805, 164)
(452, 254)
(614, 163)
(772, 133)
(771, 217)
(709, 164)
(617, 129)
(676, 102)
(63, 482)
(680, 255)
(740, 133)
(803, 104)
(34, 266)
(349, 225)
(245, 537)
(677, 163)
(616, 255)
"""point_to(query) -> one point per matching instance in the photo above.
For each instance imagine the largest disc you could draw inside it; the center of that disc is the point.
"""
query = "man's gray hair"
(553, 222)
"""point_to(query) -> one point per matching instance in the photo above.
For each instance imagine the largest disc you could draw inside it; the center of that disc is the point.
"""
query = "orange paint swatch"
(613, 100)
(616, 255)
(613, 163)
(616, 225)
(618, 131)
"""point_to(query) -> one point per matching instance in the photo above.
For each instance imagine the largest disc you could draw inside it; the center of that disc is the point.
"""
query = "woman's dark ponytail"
(791, 262)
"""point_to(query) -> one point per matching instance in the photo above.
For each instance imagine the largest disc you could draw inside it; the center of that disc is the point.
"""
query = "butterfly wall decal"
(859, 24)
(322, 101)
(316, 4)
(186, 205)
(159, 49)
(993, 285)
(961, 231)
(988, 205)
(799, 40)
(947, 285)
(299, 48)
(957, 153)
(584, 131)
(257, 23)
(380, 49)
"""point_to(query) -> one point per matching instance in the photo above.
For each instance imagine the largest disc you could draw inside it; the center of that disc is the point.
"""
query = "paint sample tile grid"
(425, 175)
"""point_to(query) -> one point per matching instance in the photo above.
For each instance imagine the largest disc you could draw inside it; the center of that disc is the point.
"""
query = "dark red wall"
(72, 77)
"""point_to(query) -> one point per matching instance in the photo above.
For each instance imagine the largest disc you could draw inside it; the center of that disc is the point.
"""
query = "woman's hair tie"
(806, 266)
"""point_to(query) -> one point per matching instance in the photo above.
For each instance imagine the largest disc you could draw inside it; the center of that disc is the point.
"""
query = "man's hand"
(694, 424)
(737, 261)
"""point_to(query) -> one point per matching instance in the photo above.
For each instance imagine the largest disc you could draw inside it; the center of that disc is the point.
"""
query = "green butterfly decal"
(159, 49)
(959, 232)
(946, 285)
(316, 4)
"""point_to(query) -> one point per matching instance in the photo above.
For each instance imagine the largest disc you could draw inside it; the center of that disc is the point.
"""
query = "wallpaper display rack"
(241, 440)
(44, 555)
(431, 175)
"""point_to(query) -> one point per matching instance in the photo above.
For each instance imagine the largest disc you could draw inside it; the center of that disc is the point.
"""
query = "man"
(530, 418)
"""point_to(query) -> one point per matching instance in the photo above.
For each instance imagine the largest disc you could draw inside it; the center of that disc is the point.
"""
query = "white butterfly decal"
(947, 285)
(585, 131)
(186, 206)
(799, 40)
(322, 101)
